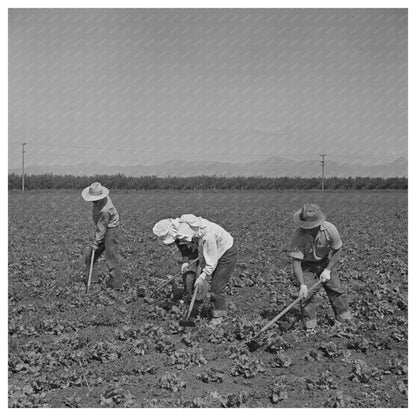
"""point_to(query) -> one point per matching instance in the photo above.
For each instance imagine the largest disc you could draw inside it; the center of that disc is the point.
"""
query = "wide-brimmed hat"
(309, 216)
(165, 230)
(185, 231)
(192, 220)
(95, 192)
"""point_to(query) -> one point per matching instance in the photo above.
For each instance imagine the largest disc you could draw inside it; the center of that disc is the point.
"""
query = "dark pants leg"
(220, 278)
(335, 292)
(337, 297)
(112, 258)
(307, 307)
(188, 279)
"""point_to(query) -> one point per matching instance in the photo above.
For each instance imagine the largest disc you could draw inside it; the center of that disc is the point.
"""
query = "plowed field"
(69, 349)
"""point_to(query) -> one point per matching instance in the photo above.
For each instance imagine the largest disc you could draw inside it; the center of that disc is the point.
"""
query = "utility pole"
(323, 170)
(23, 166)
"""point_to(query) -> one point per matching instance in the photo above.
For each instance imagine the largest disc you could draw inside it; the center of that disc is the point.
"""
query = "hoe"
(171, 279)
(90, 273)
(253, 344)
(187, 322)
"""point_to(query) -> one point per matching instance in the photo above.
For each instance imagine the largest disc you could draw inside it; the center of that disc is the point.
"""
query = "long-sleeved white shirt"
(214, 241)
(105, 216)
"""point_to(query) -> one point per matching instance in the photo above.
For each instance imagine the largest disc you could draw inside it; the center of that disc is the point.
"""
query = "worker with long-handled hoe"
(190, 267)
(219, 252)
(106, 220)
(315, 251)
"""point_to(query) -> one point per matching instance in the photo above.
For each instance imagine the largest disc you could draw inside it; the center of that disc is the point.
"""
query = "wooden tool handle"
(191, 306)
(90, 273)
(161, 286)
(287, 309)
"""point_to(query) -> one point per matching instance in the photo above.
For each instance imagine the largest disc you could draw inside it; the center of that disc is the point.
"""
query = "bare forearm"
(297, 271)
(336, 255)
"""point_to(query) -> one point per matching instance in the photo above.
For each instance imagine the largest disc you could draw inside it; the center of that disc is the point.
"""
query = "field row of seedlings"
(69, 349)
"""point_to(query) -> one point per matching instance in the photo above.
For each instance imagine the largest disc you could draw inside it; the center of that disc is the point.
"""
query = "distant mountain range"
(270, 167)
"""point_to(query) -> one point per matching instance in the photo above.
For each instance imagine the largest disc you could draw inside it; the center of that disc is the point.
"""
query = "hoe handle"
(90, 273)
(191, 306)
(170, 279)
(287, 309)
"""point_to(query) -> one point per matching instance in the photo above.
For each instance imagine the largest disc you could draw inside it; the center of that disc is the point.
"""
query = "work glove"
(184, 267)
(303, 291)
(94, 246)
(325, 275)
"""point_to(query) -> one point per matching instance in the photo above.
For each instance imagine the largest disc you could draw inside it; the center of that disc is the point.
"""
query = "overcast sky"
(135, 86)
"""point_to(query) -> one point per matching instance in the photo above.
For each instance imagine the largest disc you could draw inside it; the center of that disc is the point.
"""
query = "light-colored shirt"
(307, 248)
(214, 241)
(105, 216)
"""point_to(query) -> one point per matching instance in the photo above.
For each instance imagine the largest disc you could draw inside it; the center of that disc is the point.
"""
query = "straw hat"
(309, 216)
(95, 192)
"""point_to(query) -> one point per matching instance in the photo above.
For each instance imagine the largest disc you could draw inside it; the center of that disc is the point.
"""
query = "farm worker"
(219, 253)
(189, 252)
(106, 220)
(315, 251)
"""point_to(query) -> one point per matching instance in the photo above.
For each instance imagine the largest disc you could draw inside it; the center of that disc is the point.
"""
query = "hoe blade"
(189, 324)
(141, 292)
(253, 345)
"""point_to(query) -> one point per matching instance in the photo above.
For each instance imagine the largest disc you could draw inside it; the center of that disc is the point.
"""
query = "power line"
(183, 152)
(157, 152)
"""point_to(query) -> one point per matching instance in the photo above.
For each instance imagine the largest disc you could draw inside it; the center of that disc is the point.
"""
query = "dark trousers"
(112, 259)
(220, 278)
(336, 294)
(189, 277)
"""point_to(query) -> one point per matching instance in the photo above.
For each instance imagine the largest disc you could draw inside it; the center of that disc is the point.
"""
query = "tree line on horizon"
(123, 182)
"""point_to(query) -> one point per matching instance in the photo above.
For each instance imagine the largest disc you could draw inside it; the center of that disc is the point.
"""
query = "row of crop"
(120, 181)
